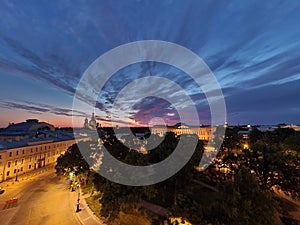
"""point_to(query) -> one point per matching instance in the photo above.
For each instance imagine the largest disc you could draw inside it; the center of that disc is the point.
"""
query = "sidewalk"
(27, 176)
(85, 215)
(294, 214)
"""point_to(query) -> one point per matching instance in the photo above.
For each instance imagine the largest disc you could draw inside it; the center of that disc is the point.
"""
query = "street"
(41, 199)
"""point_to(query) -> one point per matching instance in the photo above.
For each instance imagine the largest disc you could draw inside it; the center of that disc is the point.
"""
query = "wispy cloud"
(253, 49)
(39, 108)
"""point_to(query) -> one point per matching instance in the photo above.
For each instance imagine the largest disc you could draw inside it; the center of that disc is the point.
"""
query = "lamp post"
(78, 199)
(17, 171)
(16, 175)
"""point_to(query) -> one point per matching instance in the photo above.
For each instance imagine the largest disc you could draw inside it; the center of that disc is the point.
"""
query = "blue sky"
(252, 47)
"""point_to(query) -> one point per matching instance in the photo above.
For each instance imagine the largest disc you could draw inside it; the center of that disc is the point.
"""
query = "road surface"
(43, 199)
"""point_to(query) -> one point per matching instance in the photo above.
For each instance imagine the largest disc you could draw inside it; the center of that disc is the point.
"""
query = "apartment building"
(30, 145)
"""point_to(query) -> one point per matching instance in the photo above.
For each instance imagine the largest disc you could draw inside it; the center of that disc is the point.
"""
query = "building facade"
(30, 145)
(203, 133)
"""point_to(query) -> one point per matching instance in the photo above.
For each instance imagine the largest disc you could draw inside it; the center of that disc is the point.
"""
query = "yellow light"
(179, 220)
(246, 146)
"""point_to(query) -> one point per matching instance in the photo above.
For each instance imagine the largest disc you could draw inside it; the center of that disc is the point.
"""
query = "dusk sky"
(252, 47)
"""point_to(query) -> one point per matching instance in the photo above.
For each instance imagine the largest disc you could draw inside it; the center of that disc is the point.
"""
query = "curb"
(85, 215)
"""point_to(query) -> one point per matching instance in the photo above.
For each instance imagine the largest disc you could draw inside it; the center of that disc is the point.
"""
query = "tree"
(71, 161)
(232, 141)
(275, 162)
(244, 202)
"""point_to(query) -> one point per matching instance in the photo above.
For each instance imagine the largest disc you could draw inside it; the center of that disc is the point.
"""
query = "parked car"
(1, 190)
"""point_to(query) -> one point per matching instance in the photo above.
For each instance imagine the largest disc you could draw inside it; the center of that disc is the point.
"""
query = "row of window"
(15, 171)
(10, 154)
(9, 164)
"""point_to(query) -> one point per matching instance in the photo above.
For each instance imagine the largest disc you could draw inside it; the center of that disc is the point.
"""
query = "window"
(0, 157)
(36, 149)
(10, 154)
(23, 151)
(45, 147)
(21, 168)
(7, 173)
(30, 159)
(17, 153)
(22, 161)
(8, 164)
(49, 147)
(16, 162)
(29, 167)
(31, 150)
(15, 170)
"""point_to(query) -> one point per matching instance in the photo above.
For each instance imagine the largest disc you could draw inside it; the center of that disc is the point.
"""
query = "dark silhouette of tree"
(71, 161)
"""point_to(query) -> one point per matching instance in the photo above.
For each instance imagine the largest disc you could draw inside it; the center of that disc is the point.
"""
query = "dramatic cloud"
(253, 48)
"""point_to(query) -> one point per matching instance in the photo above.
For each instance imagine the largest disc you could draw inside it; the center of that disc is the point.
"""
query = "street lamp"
(17, 171)
(78, 198)
(16, 175)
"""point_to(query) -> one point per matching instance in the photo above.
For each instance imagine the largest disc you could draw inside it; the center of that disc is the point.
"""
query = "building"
(30, 145)
(291, 126)
(92, 124)
(202, 132)
(245, 134)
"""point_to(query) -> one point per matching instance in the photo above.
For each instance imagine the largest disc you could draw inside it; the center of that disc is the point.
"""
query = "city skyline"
(253, 49)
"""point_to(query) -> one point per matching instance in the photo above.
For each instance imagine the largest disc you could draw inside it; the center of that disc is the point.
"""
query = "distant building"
(245, 134)
(30, 145)
(202, 132)
(292, 126)
(25, 130)
(92, 124)
(266, 128)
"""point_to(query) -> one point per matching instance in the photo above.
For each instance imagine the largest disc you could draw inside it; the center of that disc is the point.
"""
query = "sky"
(251, 47)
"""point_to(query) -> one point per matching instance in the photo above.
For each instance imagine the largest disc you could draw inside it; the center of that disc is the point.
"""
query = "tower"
(86, 124)
(93, 123)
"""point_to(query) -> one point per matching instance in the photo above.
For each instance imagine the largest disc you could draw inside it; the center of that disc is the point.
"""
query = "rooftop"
(28, 125)
(56, 136)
